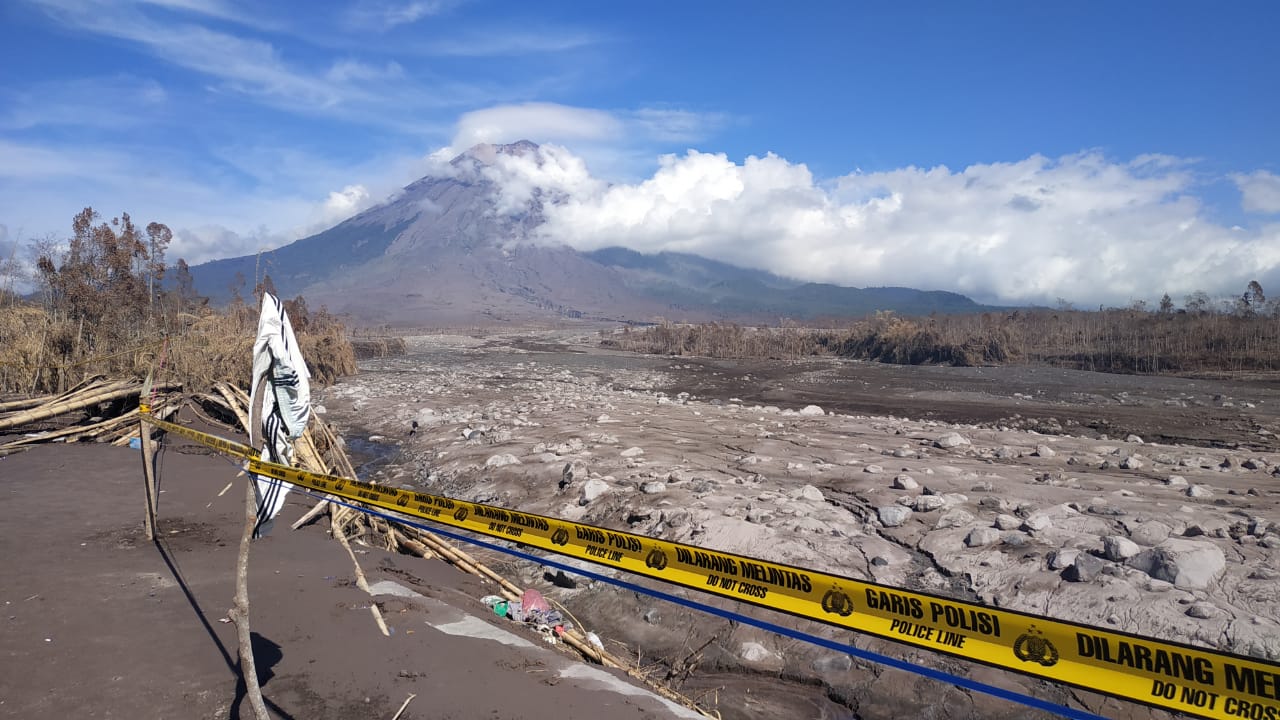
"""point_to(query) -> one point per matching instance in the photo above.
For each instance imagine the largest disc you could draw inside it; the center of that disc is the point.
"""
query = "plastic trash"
(135, 443)
(533, 601)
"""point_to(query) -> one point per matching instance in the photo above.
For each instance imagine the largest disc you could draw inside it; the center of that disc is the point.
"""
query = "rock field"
(1177, 542)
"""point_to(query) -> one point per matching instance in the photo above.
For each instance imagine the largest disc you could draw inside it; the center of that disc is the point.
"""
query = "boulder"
(632, 452)
(653, 487)
(1008, 522)
(979, 537)
(1085, 568)
(1199, 491)
(1131, 462)
(905, 482)
(873, 469)
(812, 410)
(1063, 559)
(1038, 522)
(955, 517)
(1188, 564)
(1133, 439)
(893, 515)
(1119, 548)
(929, 503)
(591, 490)
(812, 494)
(1150, 533)
(951, 440)
(1044, 451)
(497, 461)
(1175, 480)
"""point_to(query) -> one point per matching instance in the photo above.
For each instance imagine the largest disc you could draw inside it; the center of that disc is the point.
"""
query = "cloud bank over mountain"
(1084, 227)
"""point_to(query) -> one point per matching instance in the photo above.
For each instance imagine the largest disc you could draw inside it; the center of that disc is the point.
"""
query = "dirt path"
(99, 623)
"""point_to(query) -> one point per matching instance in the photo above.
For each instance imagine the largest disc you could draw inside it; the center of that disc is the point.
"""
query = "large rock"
(632, 452)
(1188, 564)
(591, 490)
(1038, 522)
(928, 503)
(1150, 533)
(1063, 558)
(951, 440)
(893, 515)
(1085, 568)
(905, 482)
(812, 410)
(1119, 548)
(978, 537)
(812, 494)
(954, 518)
(1008, 522)
(497, 461)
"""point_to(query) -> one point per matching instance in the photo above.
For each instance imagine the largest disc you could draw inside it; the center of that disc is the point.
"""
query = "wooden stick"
(402, 707)
(363, 584)
(312, 514)
(149, 478)
(239, 614)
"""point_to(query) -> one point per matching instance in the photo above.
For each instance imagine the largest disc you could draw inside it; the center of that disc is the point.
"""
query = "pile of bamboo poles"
(79, 414)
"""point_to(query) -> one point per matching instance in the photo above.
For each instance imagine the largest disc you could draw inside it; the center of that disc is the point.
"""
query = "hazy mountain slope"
(439, 253)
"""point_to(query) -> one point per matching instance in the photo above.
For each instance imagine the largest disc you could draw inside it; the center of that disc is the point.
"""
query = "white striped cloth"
(281, 404)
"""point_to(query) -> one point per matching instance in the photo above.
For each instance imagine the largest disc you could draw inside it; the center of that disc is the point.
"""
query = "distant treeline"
(1130, 340)
(103, 306)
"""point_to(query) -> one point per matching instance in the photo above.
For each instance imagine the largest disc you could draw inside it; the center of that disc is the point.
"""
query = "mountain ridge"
(439, 251)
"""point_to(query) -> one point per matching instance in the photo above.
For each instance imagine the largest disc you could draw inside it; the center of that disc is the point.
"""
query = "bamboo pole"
(54, 409)
(240, 612)
(148, 474)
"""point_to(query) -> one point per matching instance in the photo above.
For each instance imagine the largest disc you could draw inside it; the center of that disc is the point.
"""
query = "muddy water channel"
(890, 478)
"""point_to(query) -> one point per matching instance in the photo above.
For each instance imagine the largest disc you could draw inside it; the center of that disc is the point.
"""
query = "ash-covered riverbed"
(1027, 488)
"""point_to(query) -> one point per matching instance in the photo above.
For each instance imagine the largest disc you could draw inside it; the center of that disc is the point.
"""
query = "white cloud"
(511, 42)
(387, 14)
(540, 122)
(1260, 191)
(615, 144)
(113, 102)
(1081, 227)
(342, 205)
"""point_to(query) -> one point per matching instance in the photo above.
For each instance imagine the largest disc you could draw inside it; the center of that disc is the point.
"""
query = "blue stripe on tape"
(857, 652)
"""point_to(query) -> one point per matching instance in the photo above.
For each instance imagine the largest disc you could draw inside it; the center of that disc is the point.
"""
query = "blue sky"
(1093, 151)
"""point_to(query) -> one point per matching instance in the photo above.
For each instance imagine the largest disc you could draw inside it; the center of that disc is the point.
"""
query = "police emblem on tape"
(460, 514)
(560, 537)
(837, 602)
(656, 559)
(1033, 646)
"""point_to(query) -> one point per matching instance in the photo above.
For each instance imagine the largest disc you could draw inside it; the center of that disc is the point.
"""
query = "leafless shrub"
(102, 310)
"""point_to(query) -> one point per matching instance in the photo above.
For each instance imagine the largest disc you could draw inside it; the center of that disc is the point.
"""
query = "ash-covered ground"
(1142, 504)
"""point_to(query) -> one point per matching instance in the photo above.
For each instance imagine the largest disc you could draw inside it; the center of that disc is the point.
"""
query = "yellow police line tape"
(1164, 674)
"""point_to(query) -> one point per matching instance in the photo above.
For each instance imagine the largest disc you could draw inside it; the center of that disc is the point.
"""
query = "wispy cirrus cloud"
(384, 15)
(113, 102)
(499, 42)
(616, 144)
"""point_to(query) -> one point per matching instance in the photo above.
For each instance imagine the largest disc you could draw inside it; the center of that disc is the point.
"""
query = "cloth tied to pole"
(280, 405)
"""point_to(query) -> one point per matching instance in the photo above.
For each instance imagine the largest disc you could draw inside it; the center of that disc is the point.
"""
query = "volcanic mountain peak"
(487, 153)
(462, 245)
